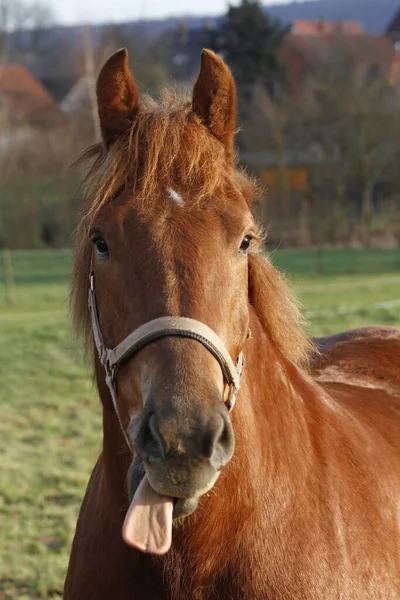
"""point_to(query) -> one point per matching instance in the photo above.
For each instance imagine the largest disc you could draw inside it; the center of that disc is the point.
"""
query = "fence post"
(9, 280)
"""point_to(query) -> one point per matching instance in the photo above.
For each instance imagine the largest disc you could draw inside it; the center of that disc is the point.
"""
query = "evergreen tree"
(251, 43)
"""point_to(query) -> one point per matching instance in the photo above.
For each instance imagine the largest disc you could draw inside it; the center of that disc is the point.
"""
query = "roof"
(24, 96)
(324, 27)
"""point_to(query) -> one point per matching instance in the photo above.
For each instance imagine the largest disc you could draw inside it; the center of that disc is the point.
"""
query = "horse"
(291, 492)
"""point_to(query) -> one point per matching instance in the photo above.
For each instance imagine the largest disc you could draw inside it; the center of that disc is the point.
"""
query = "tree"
(353, 116)
(324, 122)
(251, 43)
(344, 130)
(376, 142)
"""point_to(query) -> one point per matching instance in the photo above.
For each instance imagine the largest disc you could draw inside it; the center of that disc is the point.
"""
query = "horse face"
(190, 262)
(176, 245)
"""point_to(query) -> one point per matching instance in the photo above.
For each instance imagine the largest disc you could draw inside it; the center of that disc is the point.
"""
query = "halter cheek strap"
(155, 330)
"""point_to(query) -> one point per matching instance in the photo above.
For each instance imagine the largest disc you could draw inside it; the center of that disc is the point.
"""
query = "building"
(23, 99)
(325, 27)
(25, 106)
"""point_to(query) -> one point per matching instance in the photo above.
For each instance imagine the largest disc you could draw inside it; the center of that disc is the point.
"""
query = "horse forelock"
(166, 146)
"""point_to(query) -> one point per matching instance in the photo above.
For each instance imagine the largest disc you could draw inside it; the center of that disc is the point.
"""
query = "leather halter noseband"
(154, 330)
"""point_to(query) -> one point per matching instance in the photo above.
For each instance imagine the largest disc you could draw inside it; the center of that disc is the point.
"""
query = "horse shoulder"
(367, 356)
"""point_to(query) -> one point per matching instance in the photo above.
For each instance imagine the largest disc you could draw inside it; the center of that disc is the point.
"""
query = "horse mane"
(140, 161)
(278, 310)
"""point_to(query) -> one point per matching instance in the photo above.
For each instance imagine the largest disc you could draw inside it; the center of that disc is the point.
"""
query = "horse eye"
(245, 245)
(101, 247)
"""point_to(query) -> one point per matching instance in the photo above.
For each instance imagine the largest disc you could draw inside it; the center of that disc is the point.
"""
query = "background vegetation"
(324, 134)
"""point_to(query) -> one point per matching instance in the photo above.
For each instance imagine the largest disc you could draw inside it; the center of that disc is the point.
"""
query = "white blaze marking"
(176, 197)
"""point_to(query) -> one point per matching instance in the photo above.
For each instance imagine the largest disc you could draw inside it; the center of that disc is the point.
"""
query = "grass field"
(50, 431)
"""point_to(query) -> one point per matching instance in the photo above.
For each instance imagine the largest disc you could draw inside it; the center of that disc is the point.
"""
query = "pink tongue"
(148, 522)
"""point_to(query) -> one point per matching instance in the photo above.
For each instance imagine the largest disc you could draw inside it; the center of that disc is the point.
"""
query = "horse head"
(167, 234)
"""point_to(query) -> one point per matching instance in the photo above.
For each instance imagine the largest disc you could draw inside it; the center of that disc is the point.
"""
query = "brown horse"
(294, 494)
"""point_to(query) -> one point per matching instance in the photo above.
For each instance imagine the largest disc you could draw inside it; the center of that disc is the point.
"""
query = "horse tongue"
(148, 522)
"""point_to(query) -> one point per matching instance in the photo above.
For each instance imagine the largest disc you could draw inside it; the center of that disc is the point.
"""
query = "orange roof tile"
(24, 96)
(324, 27)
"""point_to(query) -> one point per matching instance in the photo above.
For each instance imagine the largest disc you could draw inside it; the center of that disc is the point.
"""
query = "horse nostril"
(218, 440)
(158, 440)
(212, 435)
(150, 441)
(225, 438)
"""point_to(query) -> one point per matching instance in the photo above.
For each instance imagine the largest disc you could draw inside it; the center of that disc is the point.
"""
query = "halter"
(154, 330)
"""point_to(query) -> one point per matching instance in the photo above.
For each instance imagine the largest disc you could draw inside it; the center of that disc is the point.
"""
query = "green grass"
(336, 262)
(50, 430)
(356, 288)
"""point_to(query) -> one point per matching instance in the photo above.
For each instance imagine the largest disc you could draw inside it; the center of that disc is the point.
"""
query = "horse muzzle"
(183, 452)
(177, 461)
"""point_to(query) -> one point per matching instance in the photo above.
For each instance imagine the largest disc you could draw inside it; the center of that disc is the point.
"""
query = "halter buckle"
(109, 369)
(230, 403)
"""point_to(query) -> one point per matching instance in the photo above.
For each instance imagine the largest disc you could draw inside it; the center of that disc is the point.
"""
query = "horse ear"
(117, 97)
(214, 99)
